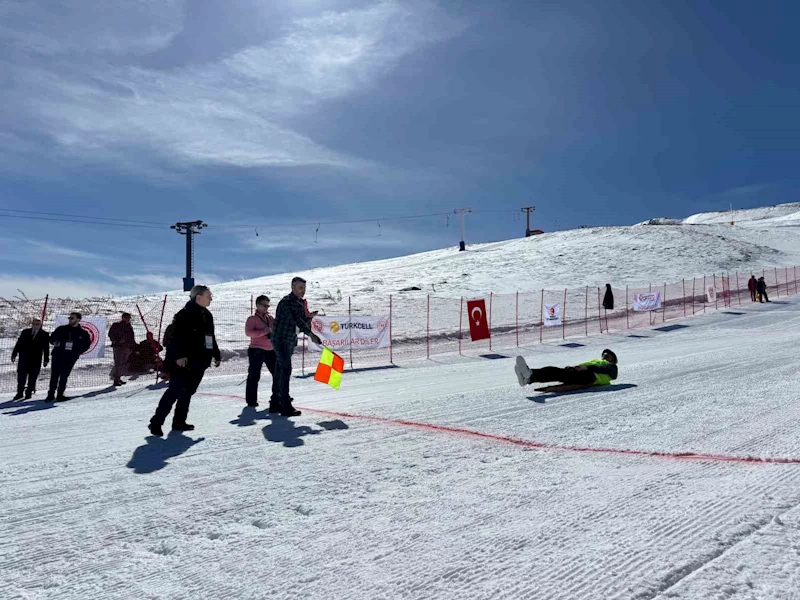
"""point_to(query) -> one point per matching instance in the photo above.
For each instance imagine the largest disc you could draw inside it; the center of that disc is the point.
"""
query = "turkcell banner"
(552, 315)
(647, 302)
(96, 328)
(339, 333)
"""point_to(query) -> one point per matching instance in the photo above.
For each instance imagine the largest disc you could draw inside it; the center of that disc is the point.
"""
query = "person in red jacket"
(752, 285)
(258, 328)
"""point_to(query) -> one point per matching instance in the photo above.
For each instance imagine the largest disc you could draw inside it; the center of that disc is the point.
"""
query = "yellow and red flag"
(330, 368)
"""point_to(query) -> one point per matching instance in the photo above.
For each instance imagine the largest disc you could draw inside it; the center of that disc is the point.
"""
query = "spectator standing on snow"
(289, 319)
(258, 328)
(191, 349)
(69, 342)
(752, 286)
(608, 299)
(123, 341)
(762, 290)
(32, 347)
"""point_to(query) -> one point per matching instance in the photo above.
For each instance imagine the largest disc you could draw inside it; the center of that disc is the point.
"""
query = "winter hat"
(613, 356)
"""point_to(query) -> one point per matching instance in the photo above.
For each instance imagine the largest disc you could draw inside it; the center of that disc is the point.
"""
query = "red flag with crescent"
(478, 320)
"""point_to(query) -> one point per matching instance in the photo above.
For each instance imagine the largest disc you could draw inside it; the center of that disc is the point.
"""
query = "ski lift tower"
(189, 229)
(462, 213)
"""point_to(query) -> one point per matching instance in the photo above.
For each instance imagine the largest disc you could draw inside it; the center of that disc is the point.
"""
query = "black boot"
(29, 394)
(155, 429)
(18, 396)
(274, 406)
(182, 427)
(287, 410)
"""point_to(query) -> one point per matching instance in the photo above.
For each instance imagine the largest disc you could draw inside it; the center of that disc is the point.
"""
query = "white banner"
(711, 294)
(338, 332)
(552, 315)
(647, 302)
(96, 328)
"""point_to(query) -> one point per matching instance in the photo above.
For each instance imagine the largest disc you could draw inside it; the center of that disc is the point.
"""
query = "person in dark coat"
(123, 342)
(752, 286)
(69, 342)
(191, 349)
(761, 288)
(32, 347)
(608, 299)
(290, 317)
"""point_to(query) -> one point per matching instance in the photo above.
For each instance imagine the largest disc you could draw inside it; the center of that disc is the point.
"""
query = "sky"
(257, 116)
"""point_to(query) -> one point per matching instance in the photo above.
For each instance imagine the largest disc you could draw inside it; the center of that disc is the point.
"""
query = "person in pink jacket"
(258, 328)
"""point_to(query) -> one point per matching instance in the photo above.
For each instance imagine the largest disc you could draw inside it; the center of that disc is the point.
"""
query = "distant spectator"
(145, 356)
(33, 347)
(752, 285)
(69, 342)
(123, 341)
(258, 328)
(191, 349)
(608, 299)
(289, 319)
(762, 290)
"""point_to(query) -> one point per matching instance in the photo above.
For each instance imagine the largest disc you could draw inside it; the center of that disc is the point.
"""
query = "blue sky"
(252, 114)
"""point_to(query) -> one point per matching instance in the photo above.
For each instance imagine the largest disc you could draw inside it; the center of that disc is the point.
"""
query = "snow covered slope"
(358, 499)
(637, 255)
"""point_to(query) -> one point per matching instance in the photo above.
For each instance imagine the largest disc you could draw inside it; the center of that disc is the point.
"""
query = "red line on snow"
(542, 445)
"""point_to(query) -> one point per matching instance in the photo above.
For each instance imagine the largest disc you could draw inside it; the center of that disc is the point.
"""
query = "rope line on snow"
(543, 445)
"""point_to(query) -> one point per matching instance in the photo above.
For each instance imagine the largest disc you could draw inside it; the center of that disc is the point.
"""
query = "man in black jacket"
(69, 342)
(33, 347)
(192, 347)
(289, 318)
(761, 287)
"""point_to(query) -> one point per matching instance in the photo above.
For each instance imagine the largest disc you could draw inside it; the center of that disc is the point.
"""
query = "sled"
(564, 388)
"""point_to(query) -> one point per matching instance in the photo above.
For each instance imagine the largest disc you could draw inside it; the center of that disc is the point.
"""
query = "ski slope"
(368, 495)
(638, 255)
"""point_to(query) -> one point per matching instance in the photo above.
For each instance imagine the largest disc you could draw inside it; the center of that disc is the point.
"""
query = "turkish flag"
(478, 320)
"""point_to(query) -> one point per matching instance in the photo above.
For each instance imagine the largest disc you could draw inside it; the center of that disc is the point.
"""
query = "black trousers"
(183, 383)
(27, 373)
(258, 358)
(764, 296)
(568, 375)
(59, 374)
(283, 368)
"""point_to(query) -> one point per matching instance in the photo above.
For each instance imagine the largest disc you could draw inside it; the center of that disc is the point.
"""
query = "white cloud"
(55, 287)
(61, 27)
(239, 110)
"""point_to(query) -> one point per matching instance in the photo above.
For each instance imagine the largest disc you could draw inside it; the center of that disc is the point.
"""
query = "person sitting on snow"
(593, 372)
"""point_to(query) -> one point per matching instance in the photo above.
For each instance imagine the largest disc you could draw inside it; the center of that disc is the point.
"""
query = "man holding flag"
(290, 317)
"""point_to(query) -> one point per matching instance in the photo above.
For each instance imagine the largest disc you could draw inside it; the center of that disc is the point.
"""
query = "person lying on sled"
(594, 372)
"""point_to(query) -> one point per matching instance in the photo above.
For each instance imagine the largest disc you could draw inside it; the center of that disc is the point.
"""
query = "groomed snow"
(639, 255)
(326, 506)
